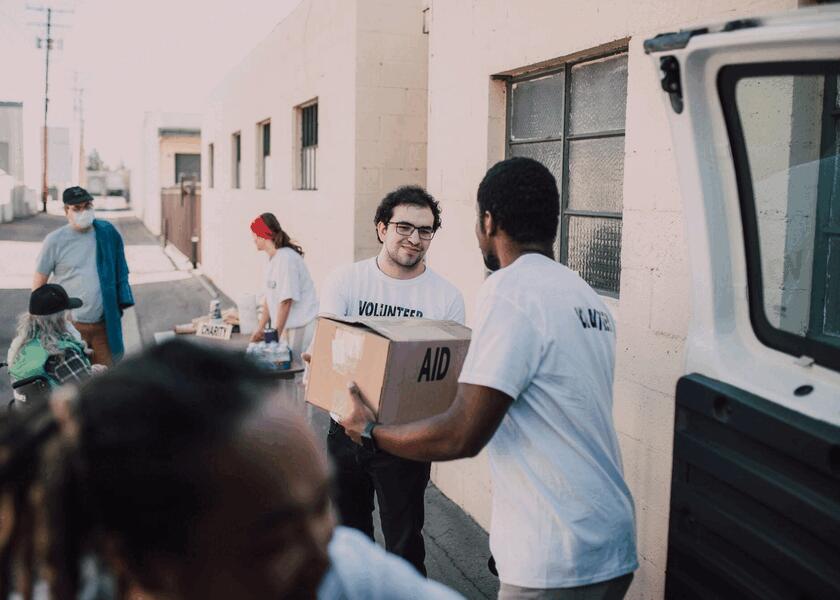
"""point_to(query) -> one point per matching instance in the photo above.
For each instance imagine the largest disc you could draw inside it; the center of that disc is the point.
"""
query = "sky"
(130, 56)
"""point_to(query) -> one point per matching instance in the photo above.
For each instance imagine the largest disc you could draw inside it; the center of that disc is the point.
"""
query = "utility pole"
(44, 184)
(48, 43)
(80, 107)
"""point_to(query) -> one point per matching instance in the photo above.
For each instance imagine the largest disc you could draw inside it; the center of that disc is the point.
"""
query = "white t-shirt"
(286, 276)
(562, 514)
(70, 256)
(361, 289)
(361, 570)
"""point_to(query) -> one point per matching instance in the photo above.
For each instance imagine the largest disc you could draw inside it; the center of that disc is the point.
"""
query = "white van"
(755, 116)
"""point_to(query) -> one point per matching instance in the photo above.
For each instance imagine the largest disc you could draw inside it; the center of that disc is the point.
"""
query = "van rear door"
(754, 110)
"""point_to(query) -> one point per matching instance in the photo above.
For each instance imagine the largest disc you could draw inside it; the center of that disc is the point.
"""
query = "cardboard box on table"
(406, 369)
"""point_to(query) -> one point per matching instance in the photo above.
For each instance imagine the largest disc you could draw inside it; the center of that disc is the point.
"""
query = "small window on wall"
(236, 160)
(571, 119)
(264, 155)
(187, 166)
(307, 155)
(211, 165)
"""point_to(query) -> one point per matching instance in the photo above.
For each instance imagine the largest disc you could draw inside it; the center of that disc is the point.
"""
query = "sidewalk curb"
(182, 263)
(131, 332)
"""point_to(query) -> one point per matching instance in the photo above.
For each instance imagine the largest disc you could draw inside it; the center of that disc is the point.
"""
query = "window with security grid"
(571, 119)
(308, 149)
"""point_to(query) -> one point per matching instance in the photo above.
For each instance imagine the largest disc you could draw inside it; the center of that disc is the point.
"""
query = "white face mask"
(83, 219)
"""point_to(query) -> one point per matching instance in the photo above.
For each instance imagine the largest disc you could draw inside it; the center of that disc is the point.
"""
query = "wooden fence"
(181, 218)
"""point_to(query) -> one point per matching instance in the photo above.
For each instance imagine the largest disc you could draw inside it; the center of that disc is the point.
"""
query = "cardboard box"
(406, 369)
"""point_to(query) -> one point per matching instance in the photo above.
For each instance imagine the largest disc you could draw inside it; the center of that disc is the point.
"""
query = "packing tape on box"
(347, 347)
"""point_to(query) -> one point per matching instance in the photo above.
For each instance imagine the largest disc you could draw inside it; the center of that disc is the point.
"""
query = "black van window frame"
(728, 77)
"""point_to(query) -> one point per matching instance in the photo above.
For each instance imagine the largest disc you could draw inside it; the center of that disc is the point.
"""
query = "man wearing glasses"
(394, 283)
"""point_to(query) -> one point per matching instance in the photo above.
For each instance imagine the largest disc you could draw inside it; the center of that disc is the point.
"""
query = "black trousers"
(399, 485)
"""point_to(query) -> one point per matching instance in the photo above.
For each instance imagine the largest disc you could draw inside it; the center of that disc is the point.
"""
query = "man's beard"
(491, 261)
(404, 262)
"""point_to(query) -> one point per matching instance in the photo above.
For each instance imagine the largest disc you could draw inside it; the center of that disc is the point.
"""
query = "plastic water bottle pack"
(275, 355)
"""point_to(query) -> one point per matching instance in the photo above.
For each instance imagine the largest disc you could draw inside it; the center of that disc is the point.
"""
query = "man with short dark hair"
(536, 388)
(87, 258)
(395, 283)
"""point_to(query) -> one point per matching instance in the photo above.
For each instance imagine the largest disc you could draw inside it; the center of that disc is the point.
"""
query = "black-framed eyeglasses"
(406, 229)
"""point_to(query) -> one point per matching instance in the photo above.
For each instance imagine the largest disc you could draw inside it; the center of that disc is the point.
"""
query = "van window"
(783, 123)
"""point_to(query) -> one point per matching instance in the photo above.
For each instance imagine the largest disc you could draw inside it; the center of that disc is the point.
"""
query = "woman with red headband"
(290, 304)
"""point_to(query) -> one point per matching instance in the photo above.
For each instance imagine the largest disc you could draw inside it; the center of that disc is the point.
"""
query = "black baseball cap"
(76, 195)
(50, 299)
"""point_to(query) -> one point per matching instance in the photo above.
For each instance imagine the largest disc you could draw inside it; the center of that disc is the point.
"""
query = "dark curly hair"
(129, 462)
(522, 196)
(407, 194)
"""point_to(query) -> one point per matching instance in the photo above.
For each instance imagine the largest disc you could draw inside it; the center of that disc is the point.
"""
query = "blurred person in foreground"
(183, 474)
(536, 389)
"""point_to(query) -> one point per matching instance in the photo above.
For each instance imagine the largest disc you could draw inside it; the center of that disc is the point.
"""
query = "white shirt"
(361, 289)
(562, 513)
(361, 570)
(286, 276)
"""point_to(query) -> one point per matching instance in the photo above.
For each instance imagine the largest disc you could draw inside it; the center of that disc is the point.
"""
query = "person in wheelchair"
(47, 346)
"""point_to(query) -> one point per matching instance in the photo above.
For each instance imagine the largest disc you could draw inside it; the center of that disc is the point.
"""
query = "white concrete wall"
(366, 62)
(170, 145)
(11, 133)
(311, 54)
(150, 176)
(391, 99)
(470, 42)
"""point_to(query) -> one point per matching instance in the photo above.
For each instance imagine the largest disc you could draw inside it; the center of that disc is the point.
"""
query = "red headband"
(262, 230)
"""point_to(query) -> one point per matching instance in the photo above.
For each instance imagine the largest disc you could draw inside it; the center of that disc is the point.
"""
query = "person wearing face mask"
(87, 258)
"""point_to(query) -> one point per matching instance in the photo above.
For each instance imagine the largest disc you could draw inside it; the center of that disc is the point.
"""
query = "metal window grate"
(308, 146)
(572, 120)
(309, 131)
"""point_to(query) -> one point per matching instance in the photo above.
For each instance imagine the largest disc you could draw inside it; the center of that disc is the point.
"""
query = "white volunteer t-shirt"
(361, 289)
(562, 514)
(286, 276)
(361, 570)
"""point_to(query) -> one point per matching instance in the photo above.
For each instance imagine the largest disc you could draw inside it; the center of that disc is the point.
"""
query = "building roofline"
(11, 104)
